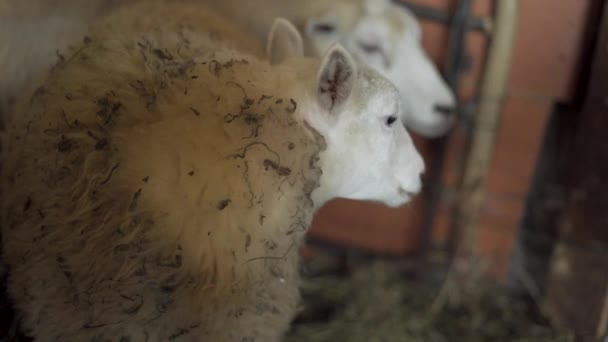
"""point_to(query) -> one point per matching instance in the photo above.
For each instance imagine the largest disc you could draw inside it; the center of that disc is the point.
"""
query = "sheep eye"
(391, 120)
(324, 28)
(369, 48)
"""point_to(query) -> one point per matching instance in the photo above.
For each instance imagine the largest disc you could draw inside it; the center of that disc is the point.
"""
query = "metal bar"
(453, 71)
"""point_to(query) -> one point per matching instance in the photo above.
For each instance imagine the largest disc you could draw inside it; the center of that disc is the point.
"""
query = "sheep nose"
(411, 190)
(445, 109)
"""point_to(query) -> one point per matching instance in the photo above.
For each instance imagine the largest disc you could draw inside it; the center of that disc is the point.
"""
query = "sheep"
(158, 183)
(378, 32)
(381, 33)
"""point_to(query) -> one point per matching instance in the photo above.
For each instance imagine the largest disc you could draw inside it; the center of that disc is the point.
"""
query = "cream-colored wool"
(133, 200)
(157, 185)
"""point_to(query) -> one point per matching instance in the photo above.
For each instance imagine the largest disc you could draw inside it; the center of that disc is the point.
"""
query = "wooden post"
(465, 268)
(577, 287)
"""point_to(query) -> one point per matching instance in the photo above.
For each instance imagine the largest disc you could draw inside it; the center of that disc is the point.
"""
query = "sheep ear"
(336, 78)
(284, 41)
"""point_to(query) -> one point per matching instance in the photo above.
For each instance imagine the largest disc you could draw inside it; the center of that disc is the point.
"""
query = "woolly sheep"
(157, 185)
(381, 33)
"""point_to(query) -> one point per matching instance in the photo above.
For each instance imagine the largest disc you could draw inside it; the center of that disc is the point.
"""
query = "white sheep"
(381, 33)
(157, 185)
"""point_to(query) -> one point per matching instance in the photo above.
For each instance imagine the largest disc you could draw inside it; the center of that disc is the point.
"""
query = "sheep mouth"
(445, 110)
(406, 193)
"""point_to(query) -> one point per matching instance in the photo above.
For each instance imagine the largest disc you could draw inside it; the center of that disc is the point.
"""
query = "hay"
(375, 300)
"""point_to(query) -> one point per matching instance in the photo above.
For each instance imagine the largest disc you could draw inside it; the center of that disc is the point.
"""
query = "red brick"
(547, 54)
(518, 143)
(370, 226)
